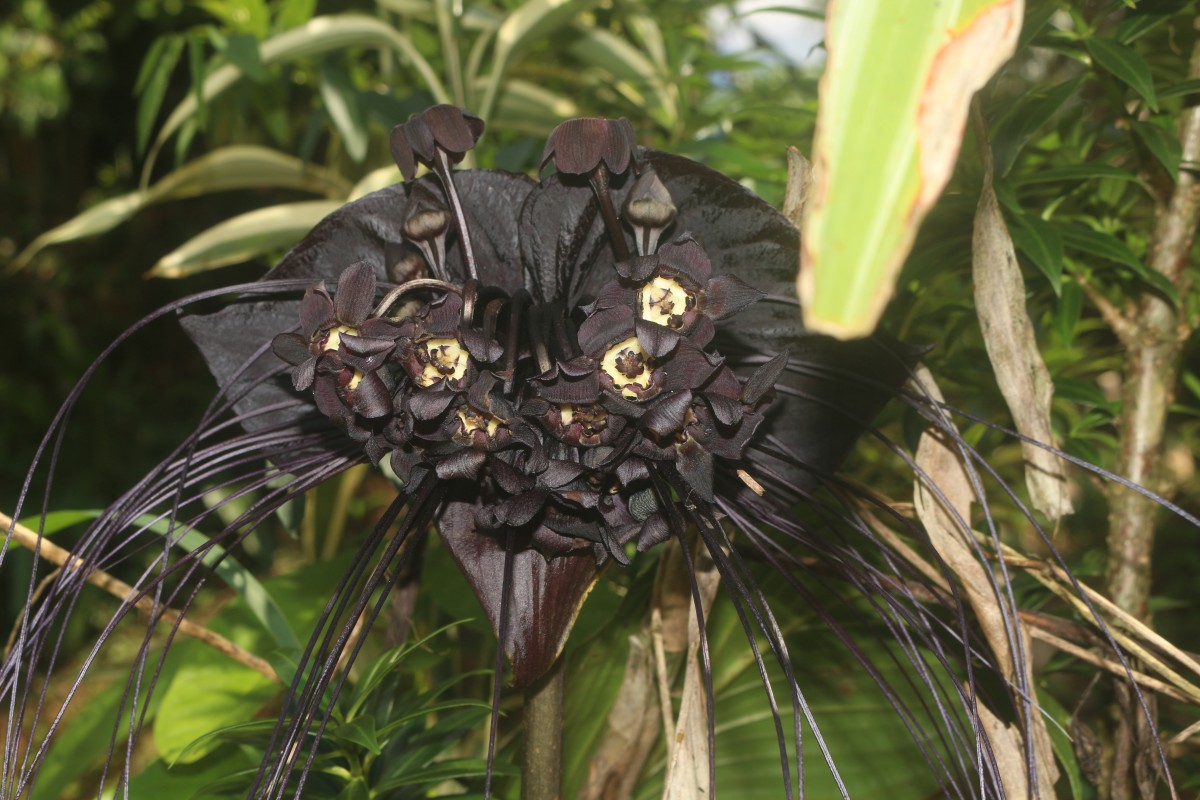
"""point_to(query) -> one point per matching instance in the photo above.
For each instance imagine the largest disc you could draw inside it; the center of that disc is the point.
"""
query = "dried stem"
(119, 589)
(541, 773)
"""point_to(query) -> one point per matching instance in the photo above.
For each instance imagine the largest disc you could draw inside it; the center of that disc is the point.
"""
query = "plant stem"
(1153, 349)
(1154, 345)
(541, 777)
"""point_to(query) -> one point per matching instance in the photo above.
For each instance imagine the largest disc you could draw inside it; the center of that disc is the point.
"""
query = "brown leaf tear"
(799, 182)
(943, 467)
(687, 762)
(633, 726)
(1012, 348)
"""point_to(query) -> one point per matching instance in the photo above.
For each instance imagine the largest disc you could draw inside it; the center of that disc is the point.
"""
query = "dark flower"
(446, 130)
(579, 146)
(556, 391)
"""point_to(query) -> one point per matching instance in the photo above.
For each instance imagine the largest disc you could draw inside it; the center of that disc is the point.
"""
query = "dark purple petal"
(355, 294)
(402, 152)
(372, 399)
(510, 479)
(316, 310)
(521, 509)
(604, 327)
(687, 257)
(575, 391)
(666, 416)
(655, 531)
(292, 348)
(726, 295)
(763, 379)
(461, 465)
(429, 404)
(455, 130)
(559, 473)
(326, 396)
(696, 466)
(726, 409)
(658, 340)
(689, 368)
(545, 595)
(481, 348)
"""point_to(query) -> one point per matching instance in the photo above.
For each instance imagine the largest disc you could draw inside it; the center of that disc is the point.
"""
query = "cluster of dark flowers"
(558, 373)
(555, 413)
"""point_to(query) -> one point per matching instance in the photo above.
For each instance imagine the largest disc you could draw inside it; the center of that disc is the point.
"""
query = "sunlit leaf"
(320, 35)
(293, 13)
(531, 22)
(244, 237)
(893, 103)
(206, 691)
(634, 75)
(228, 168)
(532, 109)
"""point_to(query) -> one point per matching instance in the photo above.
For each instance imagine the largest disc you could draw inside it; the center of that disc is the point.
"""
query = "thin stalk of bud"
(445, 171)
(599, 181)
(391, 297)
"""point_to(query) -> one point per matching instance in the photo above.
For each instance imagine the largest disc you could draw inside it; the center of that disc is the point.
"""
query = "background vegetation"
(202, 138)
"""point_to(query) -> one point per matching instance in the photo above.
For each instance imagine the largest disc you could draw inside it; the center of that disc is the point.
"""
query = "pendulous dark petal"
(546, 595)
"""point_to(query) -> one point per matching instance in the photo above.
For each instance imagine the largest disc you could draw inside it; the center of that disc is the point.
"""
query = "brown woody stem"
(1154, 344)
(1151, 369)
(541, 772)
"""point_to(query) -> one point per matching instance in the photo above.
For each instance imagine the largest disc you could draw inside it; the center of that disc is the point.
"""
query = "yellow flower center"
(473, 420)
(665, 301)
(444, 358)
(629, 367)
(333, 336)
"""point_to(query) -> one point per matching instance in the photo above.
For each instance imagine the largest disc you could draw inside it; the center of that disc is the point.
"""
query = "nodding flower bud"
(649, 210)
(578, 146)
(447, 128)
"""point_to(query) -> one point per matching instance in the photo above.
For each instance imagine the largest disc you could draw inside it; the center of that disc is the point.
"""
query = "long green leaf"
(158, 77)
(228, 168)
(893, 104)
(531, 109)
(634, 75)
(244, 237)
(341, 100)
(319, 35)
(534, 20)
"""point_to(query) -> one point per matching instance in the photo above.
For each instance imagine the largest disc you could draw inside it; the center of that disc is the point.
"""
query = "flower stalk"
(542, 768)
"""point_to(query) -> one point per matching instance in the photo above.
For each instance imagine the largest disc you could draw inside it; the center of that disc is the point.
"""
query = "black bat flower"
(582, 368)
